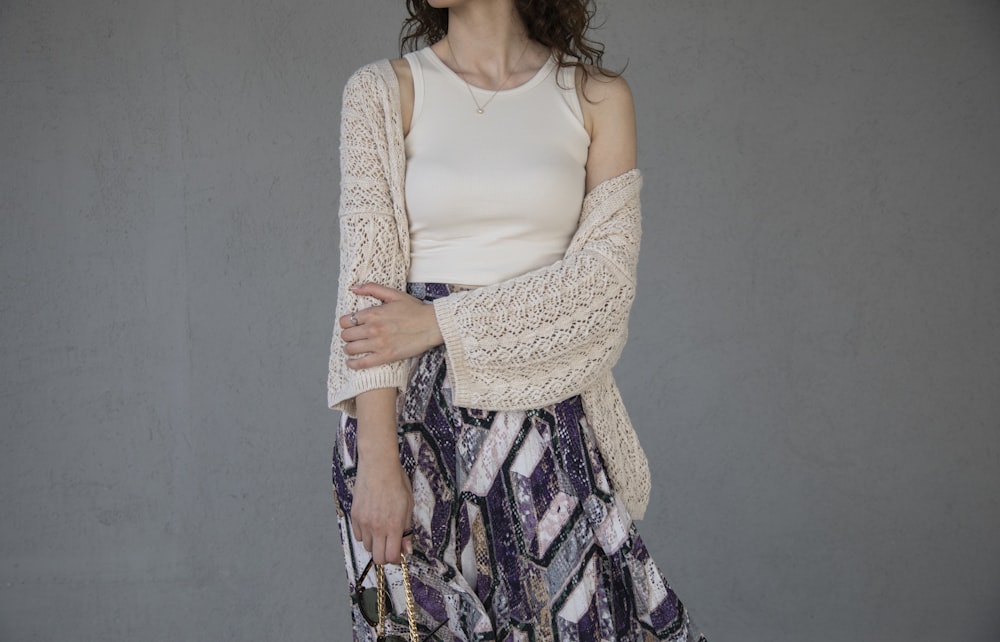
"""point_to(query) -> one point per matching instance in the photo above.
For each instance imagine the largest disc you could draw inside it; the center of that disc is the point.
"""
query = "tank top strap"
(566, 81)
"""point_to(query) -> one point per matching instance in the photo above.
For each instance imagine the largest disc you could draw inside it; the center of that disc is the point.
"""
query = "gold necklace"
(481, 109)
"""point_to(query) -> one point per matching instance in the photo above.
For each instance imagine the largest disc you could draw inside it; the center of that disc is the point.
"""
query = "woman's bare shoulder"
(609, 116)
(603, 95)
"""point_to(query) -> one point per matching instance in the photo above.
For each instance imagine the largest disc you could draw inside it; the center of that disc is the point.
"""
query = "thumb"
(380, 292)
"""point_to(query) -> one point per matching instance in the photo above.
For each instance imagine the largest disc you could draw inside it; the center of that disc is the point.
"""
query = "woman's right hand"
(382, 509)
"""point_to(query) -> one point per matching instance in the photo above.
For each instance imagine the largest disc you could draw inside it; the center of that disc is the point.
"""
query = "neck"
(487, 39)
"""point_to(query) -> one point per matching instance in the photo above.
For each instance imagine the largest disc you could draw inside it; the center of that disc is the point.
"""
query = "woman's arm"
(382, 503)
(382, 506)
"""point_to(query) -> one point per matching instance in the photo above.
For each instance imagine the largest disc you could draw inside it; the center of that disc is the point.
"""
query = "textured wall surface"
(814, 362)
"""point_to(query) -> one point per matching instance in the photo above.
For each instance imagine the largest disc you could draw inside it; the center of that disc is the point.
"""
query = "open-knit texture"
(523, 343)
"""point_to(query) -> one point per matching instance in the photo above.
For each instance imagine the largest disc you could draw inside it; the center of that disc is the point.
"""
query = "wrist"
(377, 442)
(378, 457)
(377, 422)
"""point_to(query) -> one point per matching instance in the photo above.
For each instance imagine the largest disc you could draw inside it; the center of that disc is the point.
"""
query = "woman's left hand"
(400, 328)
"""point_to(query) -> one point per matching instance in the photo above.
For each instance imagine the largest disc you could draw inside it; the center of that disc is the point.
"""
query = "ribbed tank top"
(495, 195)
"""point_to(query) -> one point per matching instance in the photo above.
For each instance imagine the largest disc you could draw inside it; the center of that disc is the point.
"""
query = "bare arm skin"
(609, 117)
(383, 499)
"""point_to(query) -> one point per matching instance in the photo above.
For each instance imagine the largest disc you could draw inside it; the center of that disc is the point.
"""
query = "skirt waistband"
(431, 291)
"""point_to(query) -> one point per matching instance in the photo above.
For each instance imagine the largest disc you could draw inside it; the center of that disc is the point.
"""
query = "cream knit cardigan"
(523, 343)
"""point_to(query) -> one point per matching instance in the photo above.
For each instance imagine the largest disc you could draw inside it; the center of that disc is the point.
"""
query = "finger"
(367, 540)
(367, 361)
(393, 545)
(348, 320)
(378, 550)
(362, 346)
(352, 333)
(380, 292)
(355, 530)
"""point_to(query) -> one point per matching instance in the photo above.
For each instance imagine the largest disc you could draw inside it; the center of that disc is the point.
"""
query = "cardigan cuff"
(462, 388)
(392, 375)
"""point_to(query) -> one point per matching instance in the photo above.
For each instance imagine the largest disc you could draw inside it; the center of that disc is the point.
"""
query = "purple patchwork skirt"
(517, 533)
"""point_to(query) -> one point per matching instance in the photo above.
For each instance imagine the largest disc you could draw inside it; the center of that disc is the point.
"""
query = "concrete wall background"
(815, 356)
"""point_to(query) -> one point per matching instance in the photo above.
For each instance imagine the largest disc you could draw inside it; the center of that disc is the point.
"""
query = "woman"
(489, 230)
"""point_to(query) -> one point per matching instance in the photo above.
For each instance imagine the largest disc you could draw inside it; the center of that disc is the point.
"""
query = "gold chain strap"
(411, 606)
(380, 590)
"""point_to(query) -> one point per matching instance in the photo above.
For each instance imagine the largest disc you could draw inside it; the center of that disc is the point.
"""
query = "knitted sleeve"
(369, 236)
(554, 332)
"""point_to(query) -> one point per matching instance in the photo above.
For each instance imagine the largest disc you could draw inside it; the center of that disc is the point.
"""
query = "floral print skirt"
(517, 533)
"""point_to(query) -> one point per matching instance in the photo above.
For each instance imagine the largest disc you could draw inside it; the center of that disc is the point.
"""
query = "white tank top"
(495, 195)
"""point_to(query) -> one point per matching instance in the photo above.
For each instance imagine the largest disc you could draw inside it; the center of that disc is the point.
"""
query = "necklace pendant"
(480, 111)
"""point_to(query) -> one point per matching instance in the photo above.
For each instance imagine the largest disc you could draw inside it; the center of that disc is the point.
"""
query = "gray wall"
(815, 354)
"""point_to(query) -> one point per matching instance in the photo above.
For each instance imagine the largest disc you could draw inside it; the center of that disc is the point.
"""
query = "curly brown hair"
(560, 25)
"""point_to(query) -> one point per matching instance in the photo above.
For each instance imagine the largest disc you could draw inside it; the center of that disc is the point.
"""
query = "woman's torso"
(494, 195)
